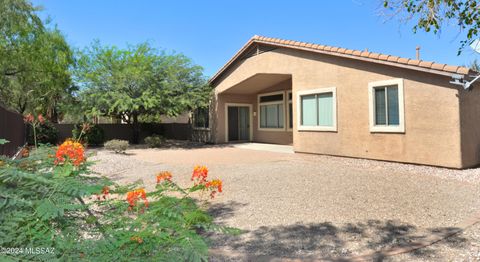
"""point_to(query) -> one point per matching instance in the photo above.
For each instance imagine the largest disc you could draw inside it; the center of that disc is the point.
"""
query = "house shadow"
(327, 241)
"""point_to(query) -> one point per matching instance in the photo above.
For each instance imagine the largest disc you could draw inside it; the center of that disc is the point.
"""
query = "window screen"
(386, 106)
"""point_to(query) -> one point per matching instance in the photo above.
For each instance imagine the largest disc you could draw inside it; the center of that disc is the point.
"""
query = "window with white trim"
(271, 111)
(317, 109)
(290, 110)
(386, 106)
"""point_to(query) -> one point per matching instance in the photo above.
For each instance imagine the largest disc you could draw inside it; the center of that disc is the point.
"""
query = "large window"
(317, 109)
(271, 111)
(386, 106)
(201, 118)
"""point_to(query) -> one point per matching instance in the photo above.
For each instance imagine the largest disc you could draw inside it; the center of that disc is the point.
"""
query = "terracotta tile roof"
(365, 55)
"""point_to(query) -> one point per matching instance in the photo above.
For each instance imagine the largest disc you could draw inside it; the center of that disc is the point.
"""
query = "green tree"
(34, 69)
(431, 15)
(138, 82)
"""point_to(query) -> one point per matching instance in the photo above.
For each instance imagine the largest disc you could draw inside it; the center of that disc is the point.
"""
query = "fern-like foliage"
(66, 211)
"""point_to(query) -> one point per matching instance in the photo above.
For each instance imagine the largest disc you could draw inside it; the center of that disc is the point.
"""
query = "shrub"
(50, 200)
(117, 145)
(154, 141)
(46, 133)
(93, 134)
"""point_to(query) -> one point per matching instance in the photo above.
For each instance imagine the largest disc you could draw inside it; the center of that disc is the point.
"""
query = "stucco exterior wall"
(470, 123)
(432, 108)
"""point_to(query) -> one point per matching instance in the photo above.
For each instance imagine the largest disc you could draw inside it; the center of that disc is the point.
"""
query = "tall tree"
(431, 15)
(138, 81)
(34, 69)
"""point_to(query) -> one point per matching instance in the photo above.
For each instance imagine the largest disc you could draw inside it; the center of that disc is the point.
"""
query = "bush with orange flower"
(54, 198)
(70, 152)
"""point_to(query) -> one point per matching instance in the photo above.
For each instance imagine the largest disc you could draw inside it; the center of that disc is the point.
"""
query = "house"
(337, 101)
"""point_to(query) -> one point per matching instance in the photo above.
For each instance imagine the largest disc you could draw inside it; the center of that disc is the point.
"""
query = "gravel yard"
(310, 206)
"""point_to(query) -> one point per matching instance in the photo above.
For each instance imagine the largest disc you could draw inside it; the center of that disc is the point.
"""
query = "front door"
(238, 123)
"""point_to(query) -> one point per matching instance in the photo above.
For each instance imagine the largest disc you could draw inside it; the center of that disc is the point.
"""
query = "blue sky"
(210, 32)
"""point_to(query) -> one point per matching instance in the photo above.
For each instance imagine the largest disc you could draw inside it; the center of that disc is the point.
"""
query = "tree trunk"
(136, 129)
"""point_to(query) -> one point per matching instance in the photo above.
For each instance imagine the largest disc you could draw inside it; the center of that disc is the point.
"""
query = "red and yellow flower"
(70, 151)
(164, 176)
(215, 186)
(135, 195)
(199, 175)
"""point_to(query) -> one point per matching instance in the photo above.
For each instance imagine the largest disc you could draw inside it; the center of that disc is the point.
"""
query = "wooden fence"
(13, 129)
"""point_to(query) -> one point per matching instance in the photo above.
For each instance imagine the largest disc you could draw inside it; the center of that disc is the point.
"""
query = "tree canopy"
(431, 15)
(34, 69)
(138, 81)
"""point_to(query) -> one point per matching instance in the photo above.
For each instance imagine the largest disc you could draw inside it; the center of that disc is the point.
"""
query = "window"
(271, 111)
(290, 111)
(201, 117)
(317, 109)
(386, 106)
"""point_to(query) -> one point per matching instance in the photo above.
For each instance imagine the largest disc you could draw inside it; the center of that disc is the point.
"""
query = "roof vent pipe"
(418, 52)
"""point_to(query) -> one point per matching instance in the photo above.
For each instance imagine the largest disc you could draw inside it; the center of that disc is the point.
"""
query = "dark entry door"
(238, 123)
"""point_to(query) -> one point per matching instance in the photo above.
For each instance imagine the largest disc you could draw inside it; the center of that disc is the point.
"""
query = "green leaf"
(63, 170)
(3, 141)
(47, 210)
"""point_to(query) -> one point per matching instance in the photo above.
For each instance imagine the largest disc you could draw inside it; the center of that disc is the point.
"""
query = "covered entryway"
(238, 122)
(258, 109)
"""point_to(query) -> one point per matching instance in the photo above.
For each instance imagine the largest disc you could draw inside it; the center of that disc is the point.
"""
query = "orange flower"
(41, 119)
(135, 195)
(105, 192)
(70, 151)
(137, 239)
(25, 152)
(199, 174)
(28, 118)
(164, 176)
(214, 185)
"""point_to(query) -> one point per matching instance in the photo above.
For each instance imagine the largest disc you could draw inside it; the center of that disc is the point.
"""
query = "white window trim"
(287, 103)
(301, 127)
(271, 103)
(250, 108)
(401, 109)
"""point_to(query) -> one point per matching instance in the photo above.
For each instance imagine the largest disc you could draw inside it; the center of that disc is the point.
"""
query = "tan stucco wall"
(470, 122)
(432, 111)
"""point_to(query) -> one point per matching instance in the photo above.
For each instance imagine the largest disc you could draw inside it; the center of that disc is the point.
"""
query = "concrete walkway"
(266, 147)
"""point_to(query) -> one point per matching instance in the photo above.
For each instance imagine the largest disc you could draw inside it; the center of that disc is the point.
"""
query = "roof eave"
(256, 40)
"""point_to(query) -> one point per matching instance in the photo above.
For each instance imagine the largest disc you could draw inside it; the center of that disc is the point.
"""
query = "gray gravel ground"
(308, 206)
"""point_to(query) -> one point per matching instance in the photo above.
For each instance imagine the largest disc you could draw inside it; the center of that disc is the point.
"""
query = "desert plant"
(116, 145)
(92, 134)
(50, 200)
(154, 141)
